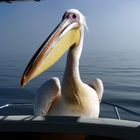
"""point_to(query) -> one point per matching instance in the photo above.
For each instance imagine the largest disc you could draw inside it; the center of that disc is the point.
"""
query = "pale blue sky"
(113, 24)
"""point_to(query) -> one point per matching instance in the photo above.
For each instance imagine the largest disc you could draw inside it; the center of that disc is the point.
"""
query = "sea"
(119, 70)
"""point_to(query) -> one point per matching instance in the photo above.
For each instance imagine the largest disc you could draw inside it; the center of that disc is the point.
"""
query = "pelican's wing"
(98, 86)
(46, 96)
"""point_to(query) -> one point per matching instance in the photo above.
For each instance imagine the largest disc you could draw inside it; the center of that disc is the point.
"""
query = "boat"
(62, 127)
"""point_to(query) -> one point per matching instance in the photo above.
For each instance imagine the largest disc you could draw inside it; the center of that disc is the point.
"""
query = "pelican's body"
(73, 97)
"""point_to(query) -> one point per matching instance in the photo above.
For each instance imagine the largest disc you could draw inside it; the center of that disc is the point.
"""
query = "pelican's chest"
(87, 104)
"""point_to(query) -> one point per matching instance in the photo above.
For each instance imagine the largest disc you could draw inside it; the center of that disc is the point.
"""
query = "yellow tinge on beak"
(61, 39)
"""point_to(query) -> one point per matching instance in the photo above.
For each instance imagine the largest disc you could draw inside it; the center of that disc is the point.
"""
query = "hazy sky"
(113, 24)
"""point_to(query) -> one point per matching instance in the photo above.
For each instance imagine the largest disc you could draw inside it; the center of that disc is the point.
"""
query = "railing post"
(117, 113)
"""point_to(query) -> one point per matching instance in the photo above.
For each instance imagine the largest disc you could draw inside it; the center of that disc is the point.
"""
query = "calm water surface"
(119, 70)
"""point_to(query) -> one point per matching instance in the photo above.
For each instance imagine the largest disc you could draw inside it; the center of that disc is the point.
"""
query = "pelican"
(73, 97)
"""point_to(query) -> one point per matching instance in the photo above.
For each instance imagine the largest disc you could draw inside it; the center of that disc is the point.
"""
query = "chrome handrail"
(15, 104)
(116, 107)
(122, 108)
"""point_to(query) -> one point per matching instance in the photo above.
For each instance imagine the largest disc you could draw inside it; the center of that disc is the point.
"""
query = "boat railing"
(115, 106)
(15, 105)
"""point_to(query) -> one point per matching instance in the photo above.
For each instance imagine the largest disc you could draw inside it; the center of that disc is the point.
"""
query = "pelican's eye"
(72, 16)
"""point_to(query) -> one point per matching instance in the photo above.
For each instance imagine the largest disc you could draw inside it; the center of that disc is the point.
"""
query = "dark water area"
(119, 71)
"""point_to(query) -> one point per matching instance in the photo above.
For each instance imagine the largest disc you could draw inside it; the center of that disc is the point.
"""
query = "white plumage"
(72, 97)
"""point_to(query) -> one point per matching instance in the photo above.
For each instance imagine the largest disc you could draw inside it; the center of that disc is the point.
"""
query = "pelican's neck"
(71, 80)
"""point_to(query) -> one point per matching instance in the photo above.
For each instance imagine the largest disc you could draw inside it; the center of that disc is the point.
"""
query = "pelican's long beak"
(65, 35)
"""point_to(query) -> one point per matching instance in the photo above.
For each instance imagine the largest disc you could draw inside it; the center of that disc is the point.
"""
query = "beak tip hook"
(22, 82)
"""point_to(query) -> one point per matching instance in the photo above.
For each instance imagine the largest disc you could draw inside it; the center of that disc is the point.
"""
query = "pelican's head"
(75, 15)
(65, 35)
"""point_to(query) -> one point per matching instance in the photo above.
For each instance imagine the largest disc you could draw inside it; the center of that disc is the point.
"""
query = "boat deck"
(37, 127)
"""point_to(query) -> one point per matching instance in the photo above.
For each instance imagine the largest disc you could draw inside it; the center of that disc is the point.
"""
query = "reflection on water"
(119, 71)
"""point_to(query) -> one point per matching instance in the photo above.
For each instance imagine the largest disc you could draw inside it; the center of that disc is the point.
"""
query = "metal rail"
(15, 105)
(116, 107)
(122, 108)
